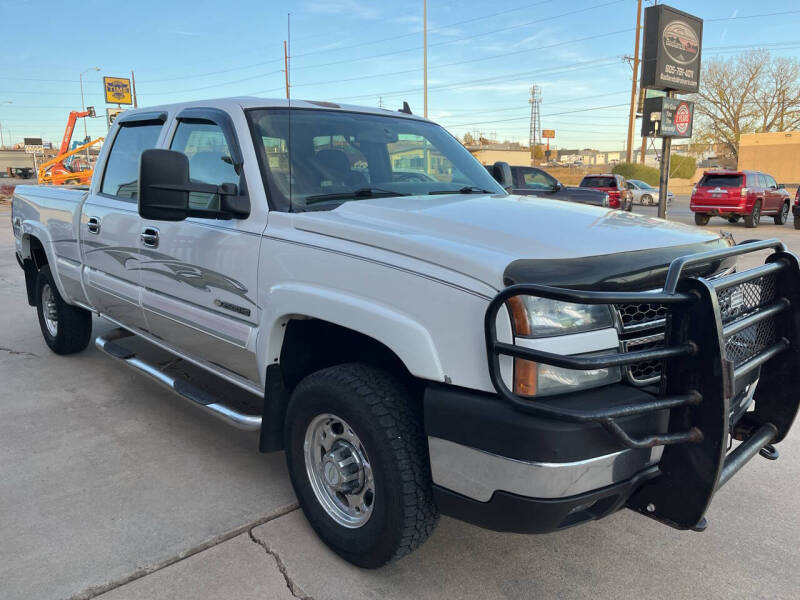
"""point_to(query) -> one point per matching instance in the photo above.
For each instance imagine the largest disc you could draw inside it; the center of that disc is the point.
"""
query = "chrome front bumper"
(478, 474)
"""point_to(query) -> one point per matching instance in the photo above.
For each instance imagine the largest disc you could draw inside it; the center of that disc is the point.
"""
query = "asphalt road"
(111, 487)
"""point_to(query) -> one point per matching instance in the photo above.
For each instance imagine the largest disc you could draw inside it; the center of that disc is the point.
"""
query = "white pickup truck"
(423, 342)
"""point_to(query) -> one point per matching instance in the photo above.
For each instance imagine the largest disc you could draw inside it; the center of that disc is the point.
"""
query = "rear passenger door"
(199, 276)
(110, 222)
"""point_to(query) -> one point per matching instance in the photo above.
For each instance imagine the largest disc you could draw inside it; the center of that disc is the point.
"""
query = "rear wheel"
(782, 215)
(754, 218)
(358, 461)
(66, 329)
(701, 219)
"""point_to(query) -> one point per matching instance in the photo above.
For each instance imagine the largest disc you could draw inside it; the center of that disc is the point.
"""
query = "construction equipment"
(59, 170)
(56, 172)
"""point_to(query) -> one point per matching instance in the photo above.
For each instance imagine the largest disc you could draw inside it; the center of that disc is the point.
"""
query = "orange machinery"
(58, 171)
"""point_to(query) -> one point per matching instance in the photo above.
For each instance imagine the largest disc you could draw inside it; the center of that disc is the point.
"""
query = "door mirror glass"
(501, 171)
(165, 190)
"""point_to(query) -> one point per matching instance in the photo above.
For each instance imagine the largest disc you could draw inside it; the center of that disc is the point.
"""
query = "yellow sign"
(548, 134)
(118, 90)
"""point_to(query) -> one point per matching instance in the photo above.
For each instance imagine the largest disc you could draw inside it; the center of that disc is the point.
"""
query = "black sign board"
(33, 141)
(671, 53)
(667, 117)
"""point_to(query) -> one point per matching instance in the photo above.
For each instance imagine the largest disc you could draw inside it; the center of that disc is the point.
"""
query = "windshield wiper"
(467, 189)
(365, 192)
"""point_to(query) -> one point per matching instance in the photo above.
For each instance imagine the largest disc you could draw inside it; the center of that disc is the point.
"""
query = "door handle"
(93, 225)
(149, 237)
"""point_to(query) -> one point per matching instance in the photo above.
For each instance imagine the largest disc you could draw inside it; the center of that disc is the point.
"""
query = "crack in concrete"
(96, 591)
(295, 589)
(18, 352)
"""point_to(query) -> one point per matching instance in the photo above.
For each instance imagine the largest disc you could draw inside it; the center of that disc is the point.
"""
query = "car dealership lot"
(112, 484)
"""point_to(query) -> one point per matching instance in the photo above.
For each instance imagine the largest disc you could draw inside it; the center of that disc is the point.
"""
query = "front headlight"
(535, 317)
(541, 317)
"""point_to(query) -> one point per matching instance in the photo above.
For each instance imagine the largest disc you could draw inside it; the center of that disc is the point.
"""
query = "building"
(776, 153)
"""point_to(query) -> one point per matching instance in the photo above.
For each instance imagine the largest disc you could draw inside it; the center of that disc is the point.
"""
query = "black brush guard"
(698, 377)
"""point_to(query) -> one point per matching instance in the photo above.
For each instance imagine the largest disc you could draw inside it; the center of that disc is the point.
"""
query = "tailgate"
(719, 190)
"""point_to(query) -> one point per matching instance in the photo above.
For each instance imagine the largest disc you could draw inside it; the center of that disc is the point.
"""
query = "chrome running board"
(198, 397)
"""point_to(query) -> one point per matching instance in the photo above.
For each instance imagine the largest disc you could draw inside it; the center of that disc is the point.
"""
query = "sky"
(482, 57)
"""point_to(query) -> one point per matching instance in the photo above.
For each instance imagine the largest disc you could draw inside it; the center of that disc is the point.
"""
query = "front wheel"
(701, 219)
(358, 461)
(754, 218)
(647, 200)
(66, 329)
(796, 223)
(783, 215)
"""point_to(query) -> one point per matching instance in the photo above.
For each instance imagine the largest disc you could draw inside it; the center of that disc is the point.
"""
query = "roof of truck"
(246, 102)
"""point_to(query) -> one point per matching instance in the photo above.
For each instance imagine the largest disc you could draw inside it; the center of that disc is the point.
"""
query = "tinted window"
(121, 177)
(209, 159)
(769, 181)
(534, 179)
(722, 181)
(599, 182)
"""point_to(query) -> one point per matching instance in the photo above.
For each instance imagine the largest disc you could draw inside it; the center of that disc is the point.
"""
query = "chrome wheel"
(339, 470)
(757, 214)
(49, 310)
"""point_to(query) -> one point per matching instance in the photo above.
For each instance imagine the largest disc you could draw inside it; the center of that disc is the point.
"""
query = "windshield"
(641, 184)
(317, 159)
(721, 181)
(599, 182)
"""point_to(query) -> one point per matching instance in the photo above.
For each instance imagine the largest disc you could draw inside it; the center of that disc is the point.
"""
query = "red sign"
(683, 118)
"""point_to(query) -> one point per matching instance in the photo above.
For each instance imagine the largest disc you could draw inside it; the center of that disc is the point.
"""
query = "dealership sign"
(671, 51)
(667, 117)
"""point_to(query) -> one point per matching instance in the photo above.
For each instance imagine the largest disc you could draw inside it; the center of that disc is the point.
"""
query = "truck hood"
(481, 235)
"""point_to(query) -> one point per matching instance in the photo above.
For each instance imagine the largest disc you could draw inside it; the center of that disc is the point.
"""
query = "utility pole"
(133, 89)
(83, 108)
(535, 135)
(632, 114)
(425, 58)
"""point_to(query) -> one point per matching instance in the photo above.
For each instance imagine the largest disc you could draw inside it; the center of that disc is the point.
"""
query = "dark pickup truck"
(530, 181)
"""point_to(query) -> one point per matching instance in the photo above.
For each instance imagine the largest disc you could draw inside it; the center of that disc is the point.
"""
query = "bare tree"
(749, 93)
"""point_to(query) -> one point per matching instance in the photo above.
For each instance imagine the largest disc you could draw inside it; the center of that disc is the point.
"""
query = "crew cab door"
(199, 276)
(110, 223)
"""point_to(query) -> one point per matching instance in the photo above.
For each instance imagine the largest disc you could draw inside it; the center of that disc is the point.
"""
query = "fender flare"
(407, 338)
(33, 229)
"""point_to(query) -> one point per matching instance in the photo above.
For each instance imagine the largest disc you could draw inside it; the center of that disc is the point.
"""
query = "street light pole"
(425, 57)
(2, 141)
(83, 109)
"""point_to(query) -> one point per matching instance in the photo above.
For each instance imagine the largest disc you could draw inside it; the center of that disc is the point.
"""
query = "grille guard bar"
(698, 379)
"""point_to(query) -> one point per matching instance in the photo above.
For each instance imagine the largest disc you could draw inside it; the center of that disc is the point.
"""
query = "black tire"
(647, 200)
(73, 324)
(733, 219)
(783, 214)
(388, 424)
(701, 219)
(754, 218)
(796, 223)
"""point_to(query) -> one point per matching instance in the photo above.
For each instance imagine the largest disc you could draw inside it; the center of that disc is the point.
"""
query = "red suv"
(619, 196)
(739, 194)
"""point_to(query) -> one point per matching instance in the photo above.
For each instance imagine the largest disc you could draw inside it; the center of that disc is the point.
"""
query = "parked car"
(734, 195)
(614, 185)
(530, 181)
(645, 194)
(417, 347)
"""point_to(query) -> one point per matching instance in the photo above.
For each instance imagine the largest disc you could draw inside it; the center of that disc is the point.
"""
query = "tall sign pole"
(133, 89)
(632, 115)
(671, 63)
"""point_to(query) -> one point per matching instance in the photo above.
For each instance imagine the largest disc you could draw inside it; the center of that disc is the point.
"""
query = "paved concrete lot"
(112, 487)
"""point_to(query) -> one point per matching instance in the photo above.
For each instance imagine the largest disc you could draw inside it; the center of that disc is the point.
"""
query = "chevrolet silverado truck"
(421, 346)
